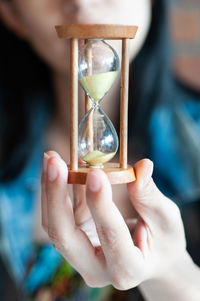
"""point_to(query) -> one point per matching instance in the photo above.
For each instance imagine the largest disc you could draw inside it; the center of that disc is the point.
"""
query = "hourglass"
(95, 65)
(98, 68)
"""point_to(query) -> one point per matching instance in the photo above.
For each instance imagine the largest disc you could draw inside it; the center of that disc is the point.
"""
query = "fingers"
(81, 211)
(68, 239)
(82, 215)
(58, 202)
(120, 252)
(43, 192)
(140, 236)
(154, 208)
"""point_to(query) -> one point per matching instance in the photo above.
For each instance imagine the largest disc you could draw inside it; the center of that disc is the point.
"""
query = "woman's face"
(37, 19)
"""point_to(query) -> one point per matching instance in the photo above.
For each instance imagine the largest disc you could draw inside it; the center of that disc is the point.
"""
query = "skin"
(35, 22)
(151, 250)
(152, 255)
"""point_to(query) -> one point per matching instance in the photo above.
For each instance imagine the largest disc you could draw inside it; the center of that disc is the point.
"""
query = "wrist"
(178, 282)
(177, 267)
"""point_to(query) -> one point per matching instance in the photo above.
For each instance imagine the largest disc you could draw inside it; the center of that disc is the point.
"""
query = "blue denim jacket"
(175, 150)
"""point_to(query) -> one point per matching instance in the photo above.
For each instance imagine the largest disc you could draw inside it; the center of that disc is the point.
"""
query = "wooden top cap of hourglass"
(98, 31)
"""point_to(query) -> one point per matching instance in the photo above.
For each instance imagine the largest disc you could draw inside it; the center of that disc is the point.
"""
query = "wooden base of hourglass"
(116, 175)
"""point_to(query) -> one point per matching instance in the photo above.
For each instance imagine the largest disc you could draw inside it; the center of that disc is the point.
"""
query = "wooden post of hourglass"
(117, 172)
(124, 104)
(88, 102)
(74, 104)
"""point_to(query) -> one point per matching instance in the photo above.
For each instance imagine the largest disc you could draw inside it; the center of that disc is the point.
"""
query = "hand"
(115, 255)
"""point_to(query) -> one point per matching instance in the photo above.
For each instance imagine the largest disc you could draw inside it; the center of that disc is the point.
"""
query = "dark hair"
(152, 80)
(25, 88)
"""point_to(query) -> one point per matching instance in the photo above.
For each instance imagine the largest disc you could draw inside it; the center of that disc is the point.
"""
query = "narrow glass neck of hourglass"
(95, 103)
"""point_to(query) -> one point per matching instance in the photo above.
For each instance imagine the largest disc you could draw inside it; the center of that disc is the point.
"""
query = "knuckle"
(118, 282)
(175, 214)
(124, 278)
(108, 236)
(122, 282)
(143, 193)
(171, 218)
(52, 234)
(92, 282)
(60, 241)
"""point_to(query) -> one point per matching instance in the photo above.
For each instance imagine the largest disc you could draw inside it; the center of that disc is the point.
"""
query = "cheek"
(138, 13)
(49, 47)
(40, 24)
(131, 12)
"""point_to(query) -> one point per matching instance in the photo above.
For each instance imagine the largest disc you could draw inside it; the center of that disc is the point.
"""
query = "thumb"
(150, 203)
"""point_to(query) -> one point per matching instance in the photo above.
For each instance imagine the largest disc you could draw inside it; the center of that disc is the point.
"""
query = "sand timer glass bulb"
(98, 68)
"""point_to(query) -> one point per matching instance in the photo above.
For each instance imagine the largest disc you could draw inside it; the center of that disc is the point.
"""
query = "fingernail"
(148, 174)
(93, 182)
(45, 162)
(52, 172)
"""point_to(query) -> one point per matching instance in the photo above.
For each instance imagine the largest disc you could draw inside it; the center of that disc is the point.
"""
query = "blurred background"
(185, 30)
(184, 20)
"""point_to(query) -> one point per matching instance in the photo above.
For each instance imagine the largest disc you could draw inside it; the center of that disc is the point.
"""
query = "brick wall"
(185, 30)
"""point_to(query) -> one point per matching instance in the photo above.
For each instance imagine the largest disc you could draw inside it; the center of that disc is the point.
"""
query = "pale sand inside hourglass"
(96, 86)
(97, 158)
